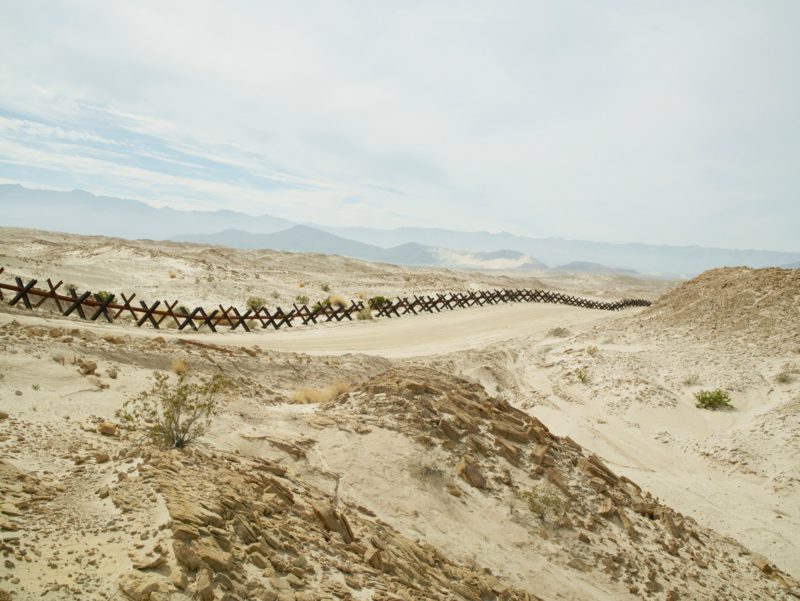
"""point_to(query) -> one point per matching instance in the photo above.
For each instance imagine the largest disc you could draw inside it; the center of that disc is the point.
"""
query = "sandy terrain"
(506, 452)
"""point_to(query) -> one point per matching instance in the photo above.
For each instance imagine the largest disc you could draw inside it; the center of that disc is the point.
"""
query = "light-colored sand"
(614, 384)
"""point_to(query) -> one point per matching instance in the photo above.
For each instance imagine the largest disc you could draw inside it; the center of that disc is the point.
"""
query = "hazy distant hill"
(795, 265)
(80, 212)
(301, 238)
(645, 258)
(589, 267)
(84, 213)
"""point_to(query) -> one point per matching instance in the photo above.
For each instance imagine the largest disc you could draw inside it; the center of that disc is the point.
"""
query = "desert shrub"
(378, 301)
(364, 314)
(275, 294)
(582, 376)
(173, 275)
(713, 399)
(71, 288)
(430, 467)
(173, 415)
(559, 333)
(102, 296)
(334, 300)
(305, 394)
(182, 310)
(302, 299)
(784, 378)
(326, 287)
(255, 302)
(545, 501)
(592, 351)
(178, 366)
(691, 380)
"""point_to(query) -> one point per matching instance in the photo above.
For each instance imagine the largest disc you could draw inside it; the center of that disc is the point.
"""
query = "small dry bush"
(173, 415)
(302, 299)
(592, 351)
(546, 502)
(691, 380)
(178, 366)
(785, 377)
(430, 467)
(326, 287)
(335, 300)
(326, 394)
(582, 376)
(173, 275)
(559, 333)
(364, 314)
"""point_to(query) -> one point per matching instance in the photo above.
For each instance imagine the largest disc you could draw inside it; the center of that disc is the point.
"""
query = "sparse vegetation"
(364, 314)
(102, 296)
(35, 386)
(182, 310)
(254, 303)
(173, 415)
(302, 299)
(326, 394)
(713, 399)
(378, 301)
(691, 380)
(275, 294)
(582, 376)
(178, 366)
(71, 288)
(592, 351)
(430, 467)
(326, 287)
(784, 377)
(559, 333)
(173, 275)
(545, 502)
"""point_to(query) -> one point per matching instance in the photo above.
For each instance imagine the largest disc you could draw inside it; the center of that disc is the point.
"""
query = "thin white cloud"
(670, 123)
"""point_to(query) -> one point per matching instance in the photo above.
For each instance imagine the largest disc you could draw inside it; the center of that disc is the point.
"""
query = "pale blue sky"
(663, 122)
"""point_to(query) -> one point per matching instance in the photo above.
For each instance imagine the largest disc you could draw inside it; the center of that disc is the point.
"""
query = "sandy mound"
(759, 306)
(594, 527)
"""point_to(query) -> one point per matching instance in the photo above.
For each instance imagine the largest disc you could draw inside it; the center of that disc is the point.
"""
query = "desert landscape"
(518, 451)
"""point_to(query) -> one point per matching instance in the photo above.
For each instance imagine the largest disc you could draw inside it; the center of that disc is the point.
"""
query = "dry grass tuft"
(326, 394)
(178, 366)
(173, 275)
(336, 301)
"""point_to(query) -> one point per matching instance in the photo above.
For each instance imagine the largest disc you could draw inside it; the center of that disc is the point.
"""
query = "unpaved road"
(408, 336)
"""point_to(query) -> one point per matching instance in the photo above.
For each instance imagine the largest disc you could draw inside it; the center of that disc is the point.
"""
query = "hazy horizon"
(670, 125)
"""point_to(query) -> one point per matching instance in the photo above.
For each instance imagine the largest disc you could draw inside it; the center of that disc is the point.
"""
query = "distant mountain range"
(81, 212)
(302, 238)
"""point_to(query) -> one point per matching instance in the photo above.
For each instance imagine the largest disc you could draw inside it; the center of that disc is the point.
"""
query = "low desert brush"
(546, 502)
(592, 351)
(713, 399)
(326, 287)
(376, 302)
(302, 299)
(102, 296)
(784, 377)
(582, 376)
(178, 366)
(326, 394)
(173, 275)
(174, 414)
(691, 380)
(254, 303)
(364, 314)
(559, 333)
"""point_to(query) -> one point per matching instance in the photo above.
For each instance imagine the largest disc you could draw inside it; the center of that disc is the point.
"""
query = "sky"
(661, 122)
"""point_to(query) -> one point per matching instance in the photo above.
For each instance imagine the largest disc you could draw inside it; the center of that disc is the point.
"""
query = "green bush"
(326, 287)
(173, 415)
(302, 299)
(713, 399)
(377, 302)
(102, 296)
(255, 303)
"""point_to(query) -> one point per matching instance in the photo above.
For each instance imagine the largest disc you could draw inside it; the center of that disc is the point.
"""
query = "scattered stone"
(469, 472)
(107, 428)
